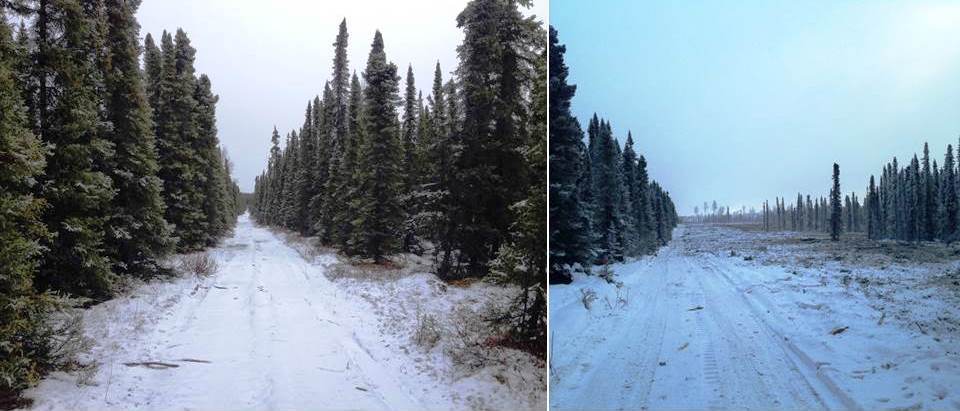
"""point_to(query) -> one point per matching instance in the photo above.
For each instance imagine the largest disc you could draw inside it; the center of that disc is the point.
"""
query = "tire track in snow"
(798, 359)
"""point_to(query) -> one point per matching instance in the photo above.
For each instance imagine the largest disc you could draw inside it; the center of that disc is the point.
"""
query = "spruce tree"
(210, 163)
(409, 138)
(74, 183)
(338, 126)
(523, 260)
(928, 198)
(139, 235)
(347, 189)
(569, 233)
(607, 191)
(320, 170)
(22, 312)
(377, 205)
(490, 176)
(630, 199)
(152, 71)
(835, 210)
(948, 198)
(409, 178)
(304, 183)
(178, 134)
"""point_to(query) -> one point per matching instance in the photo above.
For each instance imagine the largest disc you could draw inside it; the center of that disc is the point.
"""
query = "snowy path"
(702, 331)
(270, 332)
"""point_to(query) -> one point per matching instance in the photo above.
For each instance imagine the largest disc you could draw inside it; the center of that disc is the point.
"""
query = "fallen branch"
(154, 365)
(194, 360)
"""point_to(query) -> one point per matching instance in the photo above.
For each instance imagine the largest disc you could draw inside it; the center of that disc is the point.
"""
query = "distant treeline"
(458, 174)
(105, 169)
(916, 202)
(603, 205)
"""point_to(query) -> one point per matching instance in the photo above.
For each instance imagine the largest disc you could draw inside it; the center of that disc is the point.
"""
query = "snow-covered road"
(267, 331)
(708, 331)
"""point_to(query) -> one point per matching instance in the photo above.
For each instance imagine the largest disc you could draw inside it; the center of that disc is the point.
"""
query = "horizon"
(759, 87)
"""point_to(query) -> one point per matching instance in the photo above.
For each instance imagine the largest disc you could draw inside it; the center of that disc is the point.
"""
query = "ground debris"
(153, 365)
(838, 330)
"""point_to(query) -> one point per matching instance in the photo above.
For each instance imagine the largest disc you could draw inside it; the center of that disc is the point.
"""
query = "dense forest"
(603, 205)
(105, 169)
(378, 169)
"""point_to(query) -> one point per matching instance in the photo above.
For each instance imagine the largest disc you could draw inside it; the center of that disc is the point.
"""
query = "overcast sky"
(267, 59)
(741, 101)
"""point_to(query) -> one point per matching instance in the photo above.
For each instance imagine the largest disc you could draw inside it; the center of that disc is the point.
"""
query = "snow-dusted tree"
(178, 134)
(569, 218)
(377, 205)
(490, 172)
(835, 218)
(74, 183)
(211, 164)
(948, 198)
(22, 313)
(139, 236)
(339, 134)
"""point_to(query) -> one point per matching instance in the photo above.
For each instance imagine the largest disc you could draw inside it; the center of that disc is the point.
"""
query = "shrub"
(199, 264)
(427, 333)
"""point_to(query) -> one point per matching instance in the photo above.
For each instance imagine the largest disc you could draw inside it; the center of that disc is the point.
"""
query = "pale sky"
(267, 59)
(741, 101)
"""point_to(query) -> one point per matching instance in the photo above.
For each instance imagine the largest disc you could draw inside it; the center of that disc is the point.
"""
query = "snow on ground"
(729, 318)
(270, 330)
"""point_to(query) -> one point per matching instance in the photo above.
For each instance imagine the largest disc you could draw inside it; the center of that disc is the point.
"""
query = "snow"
(728, 318)
(270, 330)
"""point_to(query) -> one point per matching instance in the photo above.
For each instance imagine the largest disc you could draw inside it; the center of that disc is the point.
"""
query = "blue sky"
(741, 101)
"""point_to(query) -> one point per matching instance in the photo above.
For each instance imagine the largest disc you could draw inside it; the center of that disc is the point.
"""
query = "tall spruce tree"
(490, 171)
(569, 221)
(304, 183)
(523, 260)
(409, 137)
(377, 205)
(338, 126)
(207, 146)
(835, 207)
(347, 189)
(409, 177)
(630, 198)
(948, 198)
(22, 313)
(928, 220)
(178, 134)
(74, 183)
(139, 235)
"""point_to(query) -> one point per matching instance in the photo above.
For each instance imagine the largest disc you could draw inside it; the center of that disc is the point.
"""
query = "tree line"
(105, 169)
(378, 169)
(603, 205)
(915, 202)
